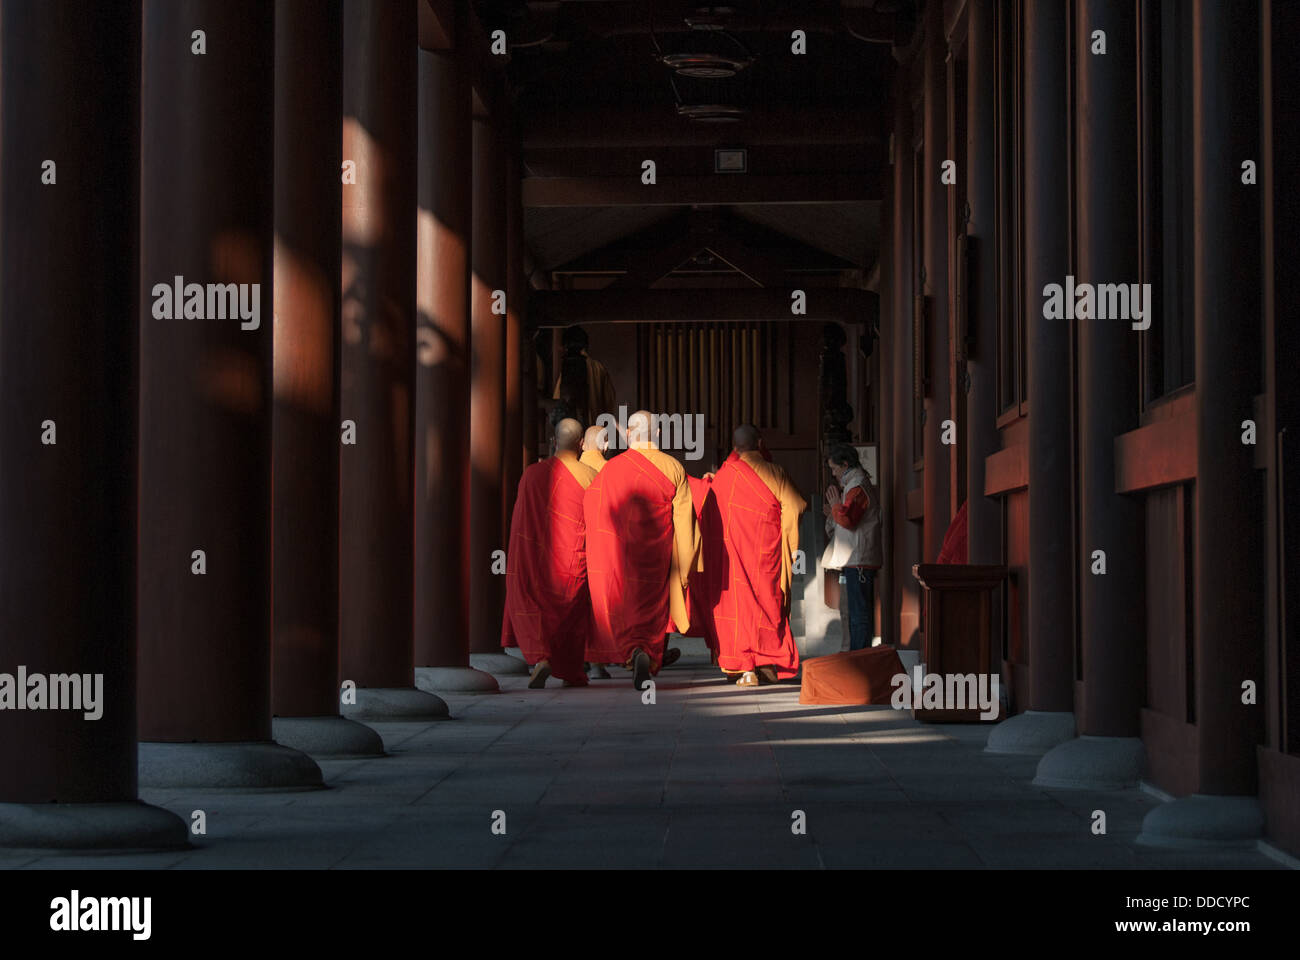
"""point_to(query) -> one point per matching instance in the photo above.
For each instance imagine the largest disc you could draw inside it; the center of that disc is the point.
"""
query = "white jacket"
(859, 546)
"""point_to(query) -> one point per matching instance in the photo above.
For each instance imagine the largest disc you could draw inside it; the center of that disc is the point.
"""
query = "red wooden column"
(516, 302)
(68, 326)
(1280, 59)
(377, 510)
(937, 478)
(885, 480)
(905, 538)
(528, 368)
(1229, 594)
(205, 401)
(983, 514)
(484, 528)
(442, 379)
(1108, 755)
(305, 403)
(1049, 719)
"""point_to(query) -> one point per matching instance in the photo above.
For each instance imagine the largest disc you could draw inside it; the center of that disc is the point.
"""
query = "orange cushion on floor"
(855, 677)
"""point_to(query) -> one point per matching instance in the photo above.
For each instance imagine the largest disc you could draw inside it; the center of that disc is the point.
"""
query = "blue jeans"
(860, 582)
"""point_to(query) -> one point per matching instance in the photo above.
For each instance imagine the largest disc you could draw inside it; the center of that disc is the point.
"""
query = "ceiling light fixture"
(704, 66)
(703, 60)
(711, 112)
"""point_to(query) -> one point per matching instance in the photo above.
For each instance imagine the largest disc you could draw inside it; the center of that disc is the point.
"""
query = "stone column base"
(395, 704)
(1031, 733)
(1201, 821)
(1093, 763)
(227, 766)
(124, 826)
(328, 737)
(455, 680)
(500, 664)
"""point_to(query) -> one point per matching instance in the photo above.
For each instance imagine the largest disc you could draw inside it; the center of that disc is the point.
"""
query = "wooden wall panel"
(1007, 470)
(1166, 614)
(1161, 453)
(1279, 786)
(1168, 722)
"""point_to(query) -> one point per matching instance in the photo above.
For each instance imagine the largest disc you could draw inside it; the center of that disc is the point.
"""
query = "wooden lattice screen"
(732, 373)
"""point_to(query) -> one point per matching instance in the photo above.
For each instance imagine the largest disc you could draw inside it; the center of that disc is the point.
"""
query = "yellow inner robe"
(686, 533)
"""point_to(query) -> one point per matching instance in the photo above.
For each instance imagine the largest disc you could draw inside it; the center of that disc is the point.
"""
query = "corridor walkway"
(708, 776)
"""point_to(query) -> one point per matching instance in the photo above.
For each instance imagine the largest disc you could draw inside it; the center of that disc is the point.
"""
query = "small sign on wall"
(868, 456)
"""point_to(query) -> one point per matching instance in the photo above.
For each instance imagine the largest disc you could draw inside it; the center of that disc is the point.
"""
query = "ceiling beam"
(646, 270)
(711, 190)
(761, 253)
(621, 18)
(619, 252)
(558, 308)
(759, 267)
(618, 127)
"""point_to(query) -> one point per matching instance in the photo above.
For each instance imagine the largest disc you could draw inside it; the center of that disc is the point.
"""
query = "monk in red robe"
(548, 607)
(758, 508)
(642, 545)
(594, 445)
(706, 585)
(707, 580)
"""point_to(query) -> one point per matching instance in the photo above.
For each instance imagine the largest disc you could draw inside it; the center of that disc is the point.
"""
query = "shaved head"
(568, 434)
(596, 439)
(638, 427)
(745, 438)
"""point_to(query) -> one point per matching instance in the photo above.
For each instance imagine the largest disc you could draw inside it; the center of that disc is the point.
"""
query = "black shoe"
(540, 672)
(640, 669)
(671, 656)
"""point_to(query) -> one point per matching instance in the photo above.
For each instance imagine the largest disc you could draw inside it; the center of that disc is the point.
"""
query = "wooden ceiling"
(592, 99)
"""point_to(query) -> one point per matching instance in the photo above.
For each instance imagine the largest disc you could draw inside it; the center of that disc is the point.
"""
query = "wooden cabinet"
(957, 641)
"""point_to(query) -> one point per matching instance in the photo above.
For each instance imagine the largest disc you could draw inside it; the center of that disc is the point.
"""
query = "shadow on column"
(305, 421)
(377, 505)
(205, 403)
